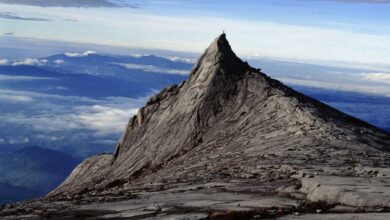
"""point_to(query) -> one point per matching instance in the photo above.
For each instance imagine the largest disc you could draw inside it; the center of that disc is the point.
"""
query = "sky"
(348, 41)
(320, 31)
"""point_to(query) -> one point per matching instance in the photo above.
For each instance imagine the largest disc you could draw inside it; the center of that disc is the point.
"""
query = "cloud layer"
(154, 69)
(21, 78)
(85, 54)
(377, 77)
(106, 116)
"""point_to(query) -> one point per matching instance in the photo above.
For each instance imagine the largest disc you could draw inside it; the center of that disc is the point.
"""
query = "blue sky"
(343, 31)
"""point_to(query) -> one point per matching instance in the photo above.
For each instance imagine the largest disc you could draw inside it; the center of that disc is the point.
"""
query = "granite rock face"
(232, 125)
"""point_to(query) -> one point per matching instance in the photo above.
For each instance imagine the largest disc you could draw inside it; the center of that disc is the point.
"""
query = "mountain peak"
(218, 62)
(220, 45)
(222, 122)
(218, 49)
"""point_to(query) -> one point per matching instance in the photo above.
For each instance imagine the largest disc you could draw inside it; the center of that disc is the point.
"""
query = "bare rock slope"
(231, 129)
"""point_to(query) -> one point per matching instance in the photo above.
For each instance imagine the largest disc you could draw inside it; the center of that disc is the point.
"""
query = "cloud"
(104, 119)
(58, 62)
(3, 61)
(19, 140)
(342, 86)
(180, 59)
(377, 77)
(85, 54)
(29, 61)
(154, 69)
(51, 97)
(71, 3)
(9, 15)
(101, 117)
(49, 137)
(15, 98)
(22, 78)
(9, 33)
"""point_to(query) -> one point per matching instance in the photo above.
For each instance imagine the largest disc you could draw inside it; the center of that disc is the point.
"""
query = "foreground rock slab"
(226, 200)
(332, 216)
(369, 192)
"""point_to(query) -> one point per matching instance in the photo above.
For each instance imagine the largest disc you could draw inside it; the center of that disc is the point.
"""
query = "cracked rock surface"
(230, 143)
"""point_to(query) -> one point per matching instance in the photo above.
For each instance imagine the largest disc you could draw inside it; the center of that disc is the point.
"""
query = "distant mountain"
(10, 193)
(32, 171)
(126, 76)
(98, 64)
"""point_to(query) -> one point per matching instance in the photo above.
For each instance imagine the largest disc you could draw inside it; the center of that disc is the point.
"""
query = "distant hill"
(10, 193)
(102, 64)
(32, 171)
(87, 79)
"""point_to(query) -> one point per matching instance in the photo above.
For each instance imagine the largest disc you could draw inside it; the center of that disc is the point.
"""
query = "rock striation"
(231, 128)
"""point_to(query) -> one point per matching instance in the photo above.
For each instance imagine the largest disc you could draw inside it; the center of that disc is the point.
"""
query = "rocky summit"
(229, 143)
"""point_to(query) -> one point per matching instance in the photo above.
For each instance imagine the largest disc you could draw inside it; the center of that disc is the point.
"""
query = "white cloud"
(104, 119)
(75, 54)
(20, 78)
(342, 86)
(2, 140)
(3, 62)
(49, 137)
(28, 61)
(61, 88)
(155, 69)
(15, 98)
(19, 140)
(180, 59)
(377, 77)
(107, 116)
(47, 96)
(137, 55)
(58, 62)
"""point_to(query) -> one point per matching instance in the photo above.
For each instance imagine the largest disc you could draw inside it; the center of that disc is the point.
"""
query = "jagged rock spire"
(217, 70)
(219, 48)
